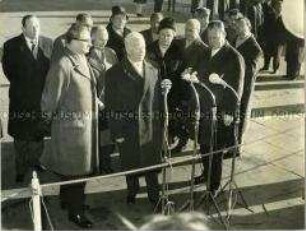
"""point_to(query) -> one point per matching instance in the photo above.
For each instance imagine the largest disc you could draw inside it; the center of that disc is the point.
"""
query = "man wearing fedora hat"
(117, 31)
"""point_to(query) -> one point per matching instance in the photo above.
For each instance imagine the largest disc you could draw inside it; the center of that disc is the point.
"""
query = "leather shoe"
(81, 221)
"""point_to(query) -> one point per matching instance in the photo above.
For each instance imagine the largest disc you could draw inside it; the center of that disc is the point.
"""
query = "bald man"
(132, 97)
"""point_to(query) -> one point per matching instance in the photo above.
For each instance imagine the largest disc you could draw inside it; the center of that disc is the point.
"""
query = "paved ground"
(270, 173)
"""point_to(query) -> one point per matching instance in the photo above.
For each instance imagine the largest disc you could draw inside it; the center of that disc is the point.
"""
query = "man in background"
(150, 35)
(60, 41)
(117, 31)
(25, 63)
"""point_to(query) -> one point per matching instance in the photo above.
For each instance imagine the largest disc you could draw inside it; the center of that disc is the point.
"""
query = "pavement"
(270, 175)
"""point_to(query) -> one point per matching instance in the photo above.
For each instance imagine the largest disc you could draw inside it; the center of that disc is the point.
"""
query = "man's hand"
(228, 120)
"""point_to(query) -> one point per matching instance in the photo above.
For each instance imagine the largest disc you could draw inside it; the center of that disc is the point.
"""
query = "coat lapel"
(25, 49)
(76, 65)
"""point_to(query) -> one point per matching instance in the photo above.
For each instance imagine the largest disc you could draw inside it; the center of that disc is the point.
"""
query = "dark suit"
(116, 42)
(133, 103)
(26, 75)
(204, 36)
(272, 37)
(251, 52)
(228, 64)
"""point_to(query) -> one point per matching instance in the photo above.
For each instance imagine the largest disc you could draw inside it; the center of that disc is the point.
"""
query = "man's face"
(155, 23)
(191, 31)
(101, 38)
(31, 28)
(165, 37)
(88, 23)
(216, 38)
(136, 50)
(119, 21)
(242, 28)
(83, 43)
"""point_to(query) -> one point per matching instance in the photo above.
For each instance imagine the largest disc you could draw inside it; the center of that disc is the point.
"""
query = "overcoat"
(26, 75)
(251, 52)
(148, 36)
(133, 105)
(193, 54)
(170, 66)
(230, 66)
(100, 60)
(58, 48)
(70, 102)
(116, 42)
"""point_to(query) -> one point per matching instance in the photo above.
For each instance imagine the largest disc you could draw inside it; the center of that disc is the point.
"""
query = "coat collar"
(77, 65)
(131, 73)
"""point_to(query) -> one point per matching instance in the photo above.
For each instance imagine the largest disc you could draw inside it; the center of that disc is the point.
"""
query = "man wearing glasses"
(69, 102)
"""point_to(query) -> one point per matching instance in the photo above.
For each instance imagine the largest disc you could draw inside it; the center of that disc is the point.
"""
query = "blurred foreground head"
(181, 221)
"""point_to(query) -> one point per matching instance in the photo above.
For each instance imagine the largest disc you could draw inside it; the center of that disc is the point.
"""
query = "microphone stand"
(232, 183)
(194, 154)
(167, 206)
(208, 196)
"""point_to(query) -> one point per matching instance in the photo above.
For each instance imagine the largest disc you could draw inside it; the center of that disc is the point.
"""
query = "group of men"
(98, 88)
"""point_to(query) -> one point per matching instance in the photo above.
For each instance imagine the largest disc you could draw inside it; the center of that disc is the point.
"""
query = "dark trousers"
(158, 5)
(27, 154)
(293, 57)
(153, 188)
(73, 196)
(105, 156)
(216, 167)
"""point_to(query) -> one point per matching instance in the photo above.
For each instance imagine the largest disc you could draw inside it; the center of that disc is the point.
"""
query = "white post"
(36, 193)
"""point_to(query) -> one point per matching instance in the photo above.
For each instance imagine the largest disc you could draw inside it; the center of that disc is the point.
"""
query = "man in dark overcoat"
(132, 100)
(150, 35)
(25, 64)
(248, 47)
(60, 41)
(117, 31)
(221, 59)
(167, 55)
(70, 104)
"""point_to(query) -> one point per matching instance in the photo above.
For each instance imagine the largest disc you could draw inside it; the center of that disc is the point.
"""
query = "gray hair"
(194, 22)
(131, 38)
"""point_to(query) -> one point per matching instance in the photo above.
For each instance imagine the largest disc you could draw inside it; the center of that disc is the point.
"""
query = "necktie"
(34, 50)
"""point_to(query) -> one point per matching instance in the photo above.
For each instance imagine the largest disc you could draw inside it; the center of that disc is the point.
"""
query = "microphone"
(166, 85)
(215, 79)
